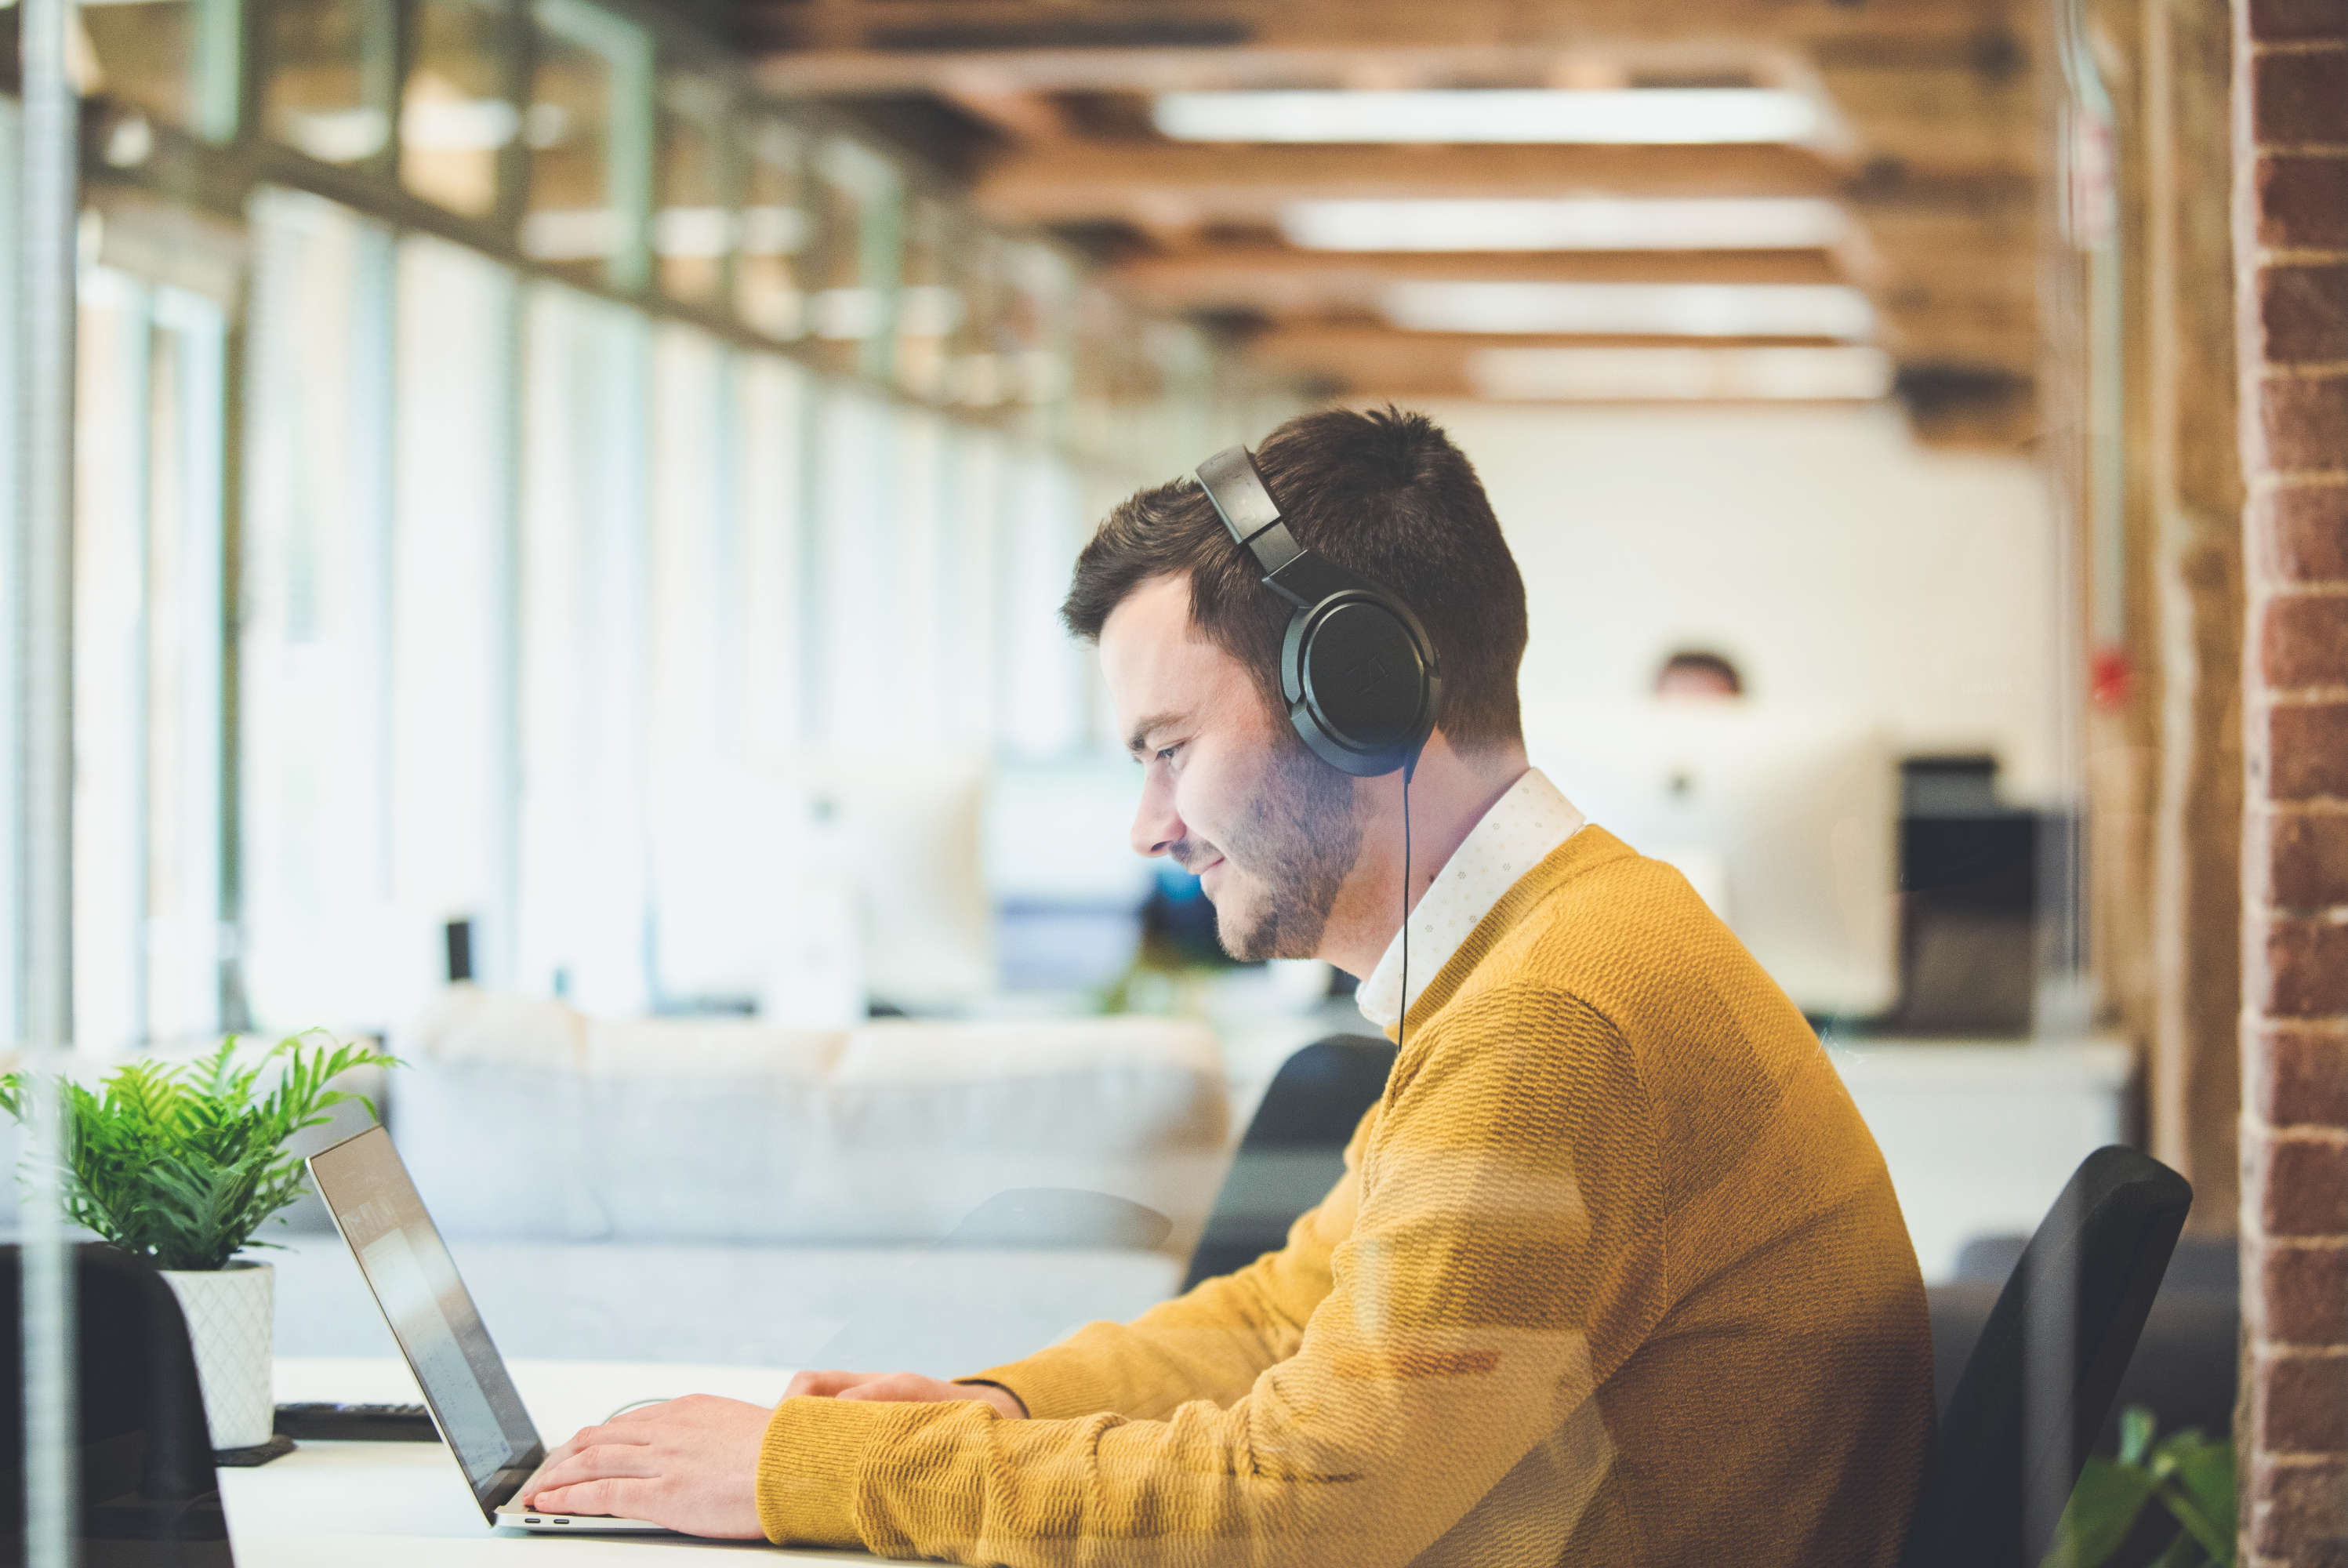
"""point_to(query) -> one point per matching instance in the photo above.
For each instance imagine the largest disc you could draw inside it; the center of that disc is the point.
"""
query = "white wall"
(1837, 563)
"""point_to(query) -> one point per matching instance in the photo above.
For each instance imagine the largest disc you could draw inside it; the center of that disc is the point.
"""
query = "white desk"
(399, 1505)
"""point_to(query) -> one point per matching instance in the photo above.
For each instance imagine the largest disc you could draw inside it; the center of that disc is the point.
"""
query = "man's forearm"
(1210, 1344)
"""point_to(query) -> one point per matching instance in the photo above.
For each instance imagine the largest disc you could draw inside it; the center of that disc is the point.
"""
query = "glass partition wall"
(519, 476)
(564, 427)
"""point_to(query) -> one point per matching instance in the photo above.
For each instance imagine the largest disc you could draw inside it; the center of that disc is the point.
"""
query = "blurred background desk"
(1980, 1136)
(361, 1505)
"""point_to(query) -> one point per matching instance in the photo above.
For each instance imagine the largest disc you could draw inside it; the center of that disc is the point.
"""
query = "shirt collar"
(1516, 835)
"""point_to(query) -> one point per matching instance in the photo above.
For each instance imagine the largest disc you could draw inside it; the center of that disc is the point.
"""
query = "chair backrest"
(2041, 1378)
(148, 1494)
(1294, 1150)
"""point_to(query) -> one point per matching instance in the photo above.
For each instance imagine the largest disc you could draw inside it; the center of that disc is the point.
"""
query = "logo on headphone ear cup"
(1360, 679)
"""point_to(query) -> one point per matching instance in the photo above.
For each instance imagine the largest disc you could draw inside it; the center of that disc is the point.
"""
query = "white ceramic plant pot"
(230, 1311)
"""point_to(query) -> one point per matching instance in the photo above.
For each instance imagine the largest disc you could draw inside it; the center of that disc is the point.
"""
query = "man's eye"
(1166, 753)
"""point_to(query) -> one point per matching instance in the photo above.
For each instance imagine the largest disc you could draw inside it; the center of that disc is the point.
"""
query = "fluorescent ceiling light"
(341, 135)
(458, 124)
(1673, 310)
(1631, 115)
(1845, 373)
(1568, 223)
(700, 233)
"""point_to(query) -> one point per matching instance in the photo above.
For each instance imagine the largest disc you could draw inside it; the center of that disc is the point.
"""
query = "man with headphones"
(1614, 1274)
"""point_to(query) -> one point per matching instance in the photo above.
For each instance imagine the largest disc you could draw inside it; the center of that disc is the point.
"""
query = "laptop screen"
(431, 1315)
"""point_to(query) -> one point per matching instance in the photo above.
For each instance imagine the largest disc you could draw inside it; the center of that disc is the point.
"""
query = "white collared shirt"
(1516, 835)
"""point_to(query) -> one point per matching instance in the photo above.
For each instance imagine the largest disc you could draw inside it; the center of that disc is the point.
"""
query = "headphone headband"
(1244, 502)
(1355, 667)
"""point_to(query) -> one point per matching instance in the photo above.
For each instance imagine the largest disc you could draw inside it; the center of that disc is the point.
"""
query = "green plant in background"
(180, 1162)
(2192, 1475)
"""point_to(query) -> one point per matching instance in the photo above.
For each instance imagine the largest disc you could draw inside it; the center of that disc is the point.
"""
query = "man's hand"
(910, 1387)
(691, 1464)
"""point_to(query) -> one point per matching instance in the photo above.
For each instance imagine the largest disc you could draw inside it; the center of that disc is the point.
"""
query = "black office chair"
(143, 1475)
(1294, 1150)
(2041, 1379)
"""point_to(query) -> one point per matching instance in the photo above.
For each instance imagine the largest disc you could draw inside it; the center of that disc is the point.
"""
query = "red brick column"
(2290, 249)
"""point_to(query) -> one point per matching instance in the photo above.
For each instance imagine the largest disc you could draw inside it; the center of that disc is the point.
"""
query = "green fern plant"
(181, 1164)
(2190, 1475)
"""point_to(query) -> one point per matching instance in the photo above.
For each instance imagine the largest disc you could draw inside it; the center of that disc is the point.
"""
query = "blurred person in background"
(1614, 1274)
(1698, 672)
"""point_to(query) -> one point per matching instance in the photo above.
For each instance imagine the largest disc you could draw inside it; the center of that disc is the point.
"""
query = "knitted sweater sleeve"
(1210, 1343)
(1505, 1256)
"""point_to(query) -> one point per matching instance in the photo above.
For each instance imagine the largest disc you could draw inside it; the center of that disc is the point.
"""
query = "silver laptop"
(466, 1386)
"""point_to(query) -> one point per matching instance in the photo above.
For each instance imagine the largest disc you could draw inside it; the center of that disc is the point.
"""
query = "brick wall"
(2290, 230)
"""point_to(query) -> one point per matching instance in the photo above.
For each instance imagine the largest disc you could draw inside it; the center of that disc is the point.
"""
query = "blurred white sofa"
(729, 1190)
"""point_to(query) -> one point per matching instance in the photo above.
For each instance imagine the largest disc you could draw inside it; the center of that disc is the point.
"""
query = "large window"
(590, 132)
(315, 714)
(540, 592)
(694, 222)
(763, 623)
(377, 713)
(456, 545)
(971, 580)
(769, 288)
(1044, 674)
(175, 59)
(147, 664)
(857, 590)
(458, 117)
(329, 84)
(585, 913)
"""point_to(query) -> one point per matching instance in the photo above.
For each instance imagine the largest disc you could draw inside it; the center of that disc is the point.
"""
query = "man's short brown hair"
(1383, 494)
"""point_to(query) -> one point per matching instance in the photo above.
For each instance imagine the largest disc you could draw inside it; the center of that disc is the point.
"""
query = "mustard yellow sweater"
(1614, 1276)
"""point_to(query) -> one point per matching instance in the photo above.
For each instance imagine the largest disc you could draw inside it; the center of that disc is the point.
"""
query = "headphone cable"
(1402, 1020)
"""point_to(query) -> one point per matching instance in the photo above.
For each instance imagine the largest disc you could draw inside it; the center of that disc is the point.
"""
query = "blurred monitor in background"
(854, 881)
(755, 900)
(1785, 822)
(912, 827)
(1068, 890)
(1969, 880)
(1698, 672)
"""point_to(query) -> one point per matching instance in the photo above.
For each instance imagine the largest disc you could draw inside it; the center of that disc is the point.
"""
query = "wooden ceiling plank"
(861, 73)
(1278, 282)
(1020, 116)
(851, 24)
(1077, 180)
(1309, 340)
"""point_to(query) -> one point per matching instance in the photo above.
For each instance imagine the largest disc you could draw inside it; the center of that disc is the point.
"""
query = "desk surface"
(392, 1505)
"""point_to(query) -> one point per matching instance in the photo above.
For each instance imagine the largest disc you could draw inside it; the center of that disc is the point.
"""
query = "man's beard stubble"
(1297, 841)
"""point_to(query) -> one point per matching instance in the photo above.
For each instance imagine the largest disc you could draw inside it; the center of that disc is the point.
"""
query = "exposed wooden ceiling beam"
(1017, 115)
(949, 25)
(1910, 334)
(1962, 335)
(1941, 118)
(1081, 180)
(1998, 417)
(1076, 181)
(1281, 281)
(1319, 63)
(1372, 361)
(1310, 342)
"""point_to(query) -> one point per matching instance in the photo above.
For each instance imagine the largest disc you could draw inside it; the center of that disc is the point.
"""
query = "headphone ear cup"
(1360, 681)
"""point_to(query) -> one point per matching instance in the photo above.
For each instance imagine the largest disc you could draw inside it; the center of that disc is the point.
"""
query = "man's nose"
(1157, 826)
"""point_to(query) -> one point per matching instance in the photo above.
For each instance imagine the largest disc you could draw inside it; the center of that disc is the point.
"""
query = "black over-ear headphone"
(1357, 669)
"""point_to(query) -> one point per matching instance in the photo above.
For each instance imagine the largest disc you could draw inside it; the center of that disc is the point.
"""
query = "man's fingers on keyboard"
(589, 1497)
(594, 1463)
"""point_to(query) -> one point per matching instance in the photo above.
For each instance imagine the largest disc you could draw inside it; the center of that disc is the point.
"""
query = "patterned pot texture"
(230, 1311)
